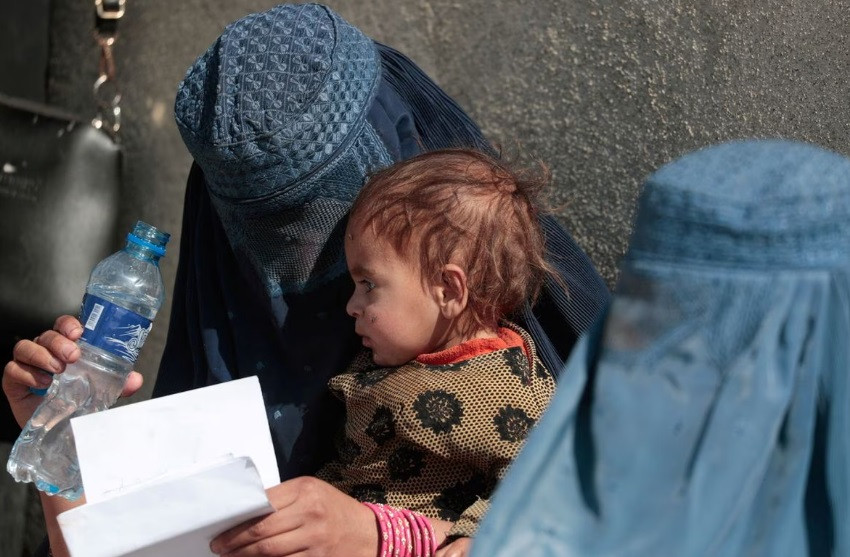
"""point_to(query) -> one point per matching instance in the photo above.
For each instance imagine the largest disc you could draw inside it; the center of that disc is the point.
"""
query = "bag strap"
(107, 95)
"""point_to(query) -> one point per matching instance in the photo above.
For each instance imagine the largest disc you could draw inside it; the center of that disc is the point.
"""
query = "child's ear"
(452, 292)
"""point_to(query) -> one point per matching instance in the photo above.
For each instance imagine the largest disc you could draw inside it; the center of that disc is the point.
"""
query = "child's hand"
(458, 548)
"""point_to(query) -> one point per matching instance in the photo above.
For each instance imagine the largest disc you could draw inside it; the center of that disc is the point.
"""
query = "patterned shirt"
(436, 438)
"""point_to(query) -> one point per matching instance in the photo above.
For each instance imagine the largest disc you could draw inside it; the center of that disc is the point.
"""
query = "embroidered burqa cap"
(708, 413)
(275, 114)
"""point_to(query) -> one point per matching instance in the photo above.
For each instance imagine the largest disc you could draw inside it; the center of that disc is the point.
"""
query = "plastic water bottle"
(123, 295)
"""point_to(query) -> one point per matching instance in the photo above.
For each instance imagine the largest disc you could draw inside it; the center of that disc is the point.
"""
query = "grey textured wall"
(602, 91)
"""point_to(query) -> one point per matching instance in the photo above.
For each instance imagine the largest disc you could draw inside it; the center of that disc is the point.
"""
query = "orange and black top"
(436, 434)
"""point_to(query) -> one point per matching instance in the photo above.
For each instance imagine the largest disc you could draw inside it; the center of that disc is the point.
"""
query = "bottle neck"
(141, 252)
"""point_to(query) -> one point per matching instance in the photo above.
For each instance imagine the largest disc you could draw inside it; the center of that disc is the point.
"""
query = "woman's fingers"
(34, 361)
(313, 518)
(261, 535)
(20, 377)
(283, 545)
(133, 384)
(68, 326)
(282, 497)
(59, 346)
(30, 354)
(17, 381)
(61, 341)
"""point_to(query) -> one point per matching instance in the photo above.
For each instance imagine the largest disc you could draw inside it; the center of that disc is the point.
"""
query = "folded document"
(163, 477)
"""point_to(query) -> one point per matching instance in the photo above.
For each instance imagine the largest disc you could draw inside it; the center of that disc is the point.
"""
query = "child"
(441, 248)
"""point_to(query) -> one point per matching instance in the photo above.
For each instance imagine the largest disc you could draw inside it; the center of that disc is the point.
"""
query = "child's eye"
(368, 284)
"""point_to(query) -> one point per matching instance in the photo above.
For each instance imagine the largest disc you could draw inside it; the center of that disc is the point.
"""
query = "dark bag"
(59, 192)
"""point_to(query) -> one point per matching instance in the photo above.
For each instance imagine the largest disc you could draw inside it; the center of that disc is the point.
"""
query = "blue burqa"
(707, 413)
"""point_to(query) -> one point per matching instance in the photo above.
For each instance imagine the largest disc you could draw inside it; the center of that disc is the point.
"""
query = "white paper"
(140, 442)
(164, 476)
(175, 517)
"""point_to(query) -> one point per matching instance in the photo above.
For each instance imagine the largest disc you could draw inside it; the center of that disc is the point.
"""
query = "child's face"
(396, 315)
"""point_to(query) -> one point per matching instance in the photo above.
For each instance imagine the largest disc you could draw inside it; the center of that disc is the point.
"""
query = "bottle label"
(109, 327)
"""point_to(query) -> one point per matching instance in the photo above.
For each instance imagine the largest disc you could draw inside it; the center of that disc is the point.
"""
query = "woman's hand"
(313, 519)
(35, 361)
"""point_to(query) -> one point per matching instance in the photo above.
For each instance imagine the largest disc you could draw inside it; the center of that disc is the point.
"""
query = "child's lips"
(364, 339)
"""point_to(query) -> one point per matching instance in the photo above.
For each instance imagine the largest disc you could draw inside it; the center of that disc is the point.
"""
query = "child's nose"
(351, 307)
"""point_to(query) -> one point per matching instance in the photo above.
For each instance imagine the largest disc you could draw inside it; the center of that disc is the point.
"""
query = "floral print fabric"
(436, 439)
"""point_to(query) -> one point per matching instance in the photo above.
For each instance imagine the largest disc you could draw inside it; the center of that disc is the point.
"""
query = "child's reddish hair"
(464, 207)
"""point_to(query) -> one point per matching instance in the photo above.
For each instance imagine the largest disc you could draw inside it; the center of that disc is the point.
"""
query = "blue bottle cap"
(149, 237)
(158, 250)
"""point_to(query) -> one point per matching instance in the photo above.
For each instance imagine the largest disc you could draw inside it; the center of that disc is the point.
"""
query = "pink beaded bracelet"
(430, 539)
(383, 530)
(413, 526)
(403, 533)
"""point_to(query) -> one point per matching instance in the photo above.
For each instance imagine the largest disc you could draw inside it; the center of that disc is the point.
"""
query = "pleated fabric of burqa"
(707, 413)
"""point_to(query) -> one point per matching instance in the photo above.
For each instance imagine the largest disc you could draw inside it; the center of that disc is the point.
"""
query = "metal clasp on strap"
(106, 92)
(110, 9)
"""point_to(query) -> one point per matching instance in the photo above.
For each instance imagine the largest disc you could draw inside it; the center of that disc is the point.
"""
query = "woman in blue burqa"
(285, 115)
(708, 413)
